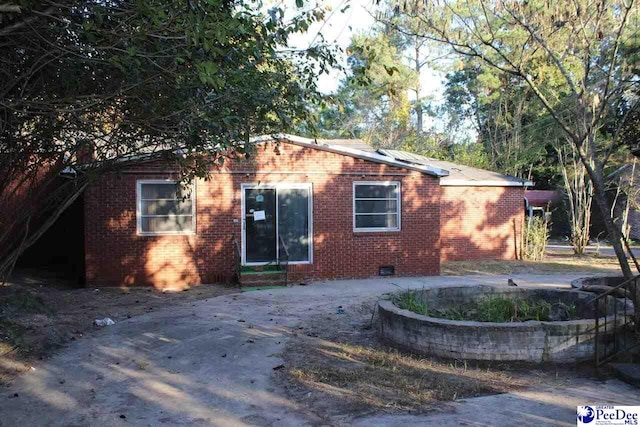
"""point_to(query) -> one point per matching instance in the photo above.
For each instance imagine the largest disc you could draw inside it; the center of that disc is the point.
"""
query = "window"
(165, 208)
(376, 206)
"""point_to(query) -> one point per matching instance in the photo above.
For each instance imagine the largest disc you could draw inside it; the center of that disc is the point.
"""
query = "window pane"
(376, 206)
(373, 191)
(159, 191)
(165, 224)
(163, 190)
(166, 207)
(293, 222)
(377, 221)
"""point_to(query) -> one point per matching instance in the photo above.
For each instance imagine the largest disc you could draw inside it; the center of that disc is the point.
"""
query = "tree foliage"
(569, 55)
(131, 78)
(372, 101)
(504, 115)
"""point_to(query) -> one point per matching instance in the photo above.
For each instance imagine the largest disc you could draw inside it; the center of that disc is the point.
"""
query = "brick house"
(341, 208)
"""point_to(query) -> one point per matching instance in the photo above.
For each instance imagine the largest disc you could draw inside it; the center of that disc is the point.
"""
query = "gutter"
(492, 183)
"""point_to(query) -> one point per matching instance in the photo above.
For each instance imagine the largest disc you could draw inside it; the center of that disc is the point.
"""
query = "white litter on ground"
(107, 321)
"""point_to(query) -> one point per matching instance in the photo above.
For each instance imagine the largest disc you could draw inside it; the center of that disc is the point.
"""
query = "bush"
(535, 238)
(495, 308)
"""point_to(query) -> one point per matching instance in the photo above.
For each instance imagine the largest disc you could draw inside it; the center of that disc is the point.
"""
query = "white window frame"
(140, 232)
(398, 202)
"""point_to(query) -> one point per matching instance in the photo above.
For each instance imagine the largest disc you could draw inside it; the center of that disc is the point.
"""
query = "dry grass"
(389, 380)
(337, 367)
(553, 262)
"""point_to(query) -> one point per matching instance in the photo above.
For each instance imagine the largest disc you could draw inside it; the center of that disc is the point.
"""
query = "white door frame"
(276, 186)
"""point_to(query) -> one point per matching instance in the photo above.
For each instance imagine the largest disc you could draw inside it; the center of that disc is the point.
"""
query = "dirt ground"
(38, 315)
(337, 367)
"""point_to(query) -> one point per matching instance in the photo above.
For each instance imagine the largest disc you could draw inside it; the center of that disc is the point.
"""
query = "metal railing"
(283, 261)
(615, 333)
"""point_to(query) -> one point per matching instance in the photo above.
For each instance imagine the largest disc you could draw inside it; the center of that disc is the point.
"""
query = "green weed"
(412, 301)
(495, 308)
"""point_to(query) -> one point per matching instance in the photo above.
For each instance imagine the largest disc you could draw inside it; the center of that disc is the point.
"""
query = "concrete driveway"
(591, 249)
(211, 363)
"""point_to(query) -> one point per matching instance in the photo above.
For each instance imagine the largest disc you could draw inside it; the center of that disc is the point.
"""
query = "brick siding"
(115, 254)
(481, 222)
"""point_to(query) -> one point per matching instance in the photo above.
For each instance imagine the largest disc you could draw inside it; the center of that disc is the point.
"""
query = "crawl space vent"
(387, 270)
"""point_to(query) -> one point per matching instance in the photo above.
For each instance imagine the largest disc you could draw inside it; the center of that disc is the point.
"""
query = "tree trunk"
(579, 188)
(615, 236)
(613, 232)
(629, 197)
(418, 67)
(418, 118)
(595, 170)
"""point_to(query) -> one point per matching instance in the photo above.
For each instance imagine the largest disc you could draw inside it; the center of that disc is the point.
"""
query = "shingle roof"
(356, 144)
(451, 174)
(459, 174)
(372, 155)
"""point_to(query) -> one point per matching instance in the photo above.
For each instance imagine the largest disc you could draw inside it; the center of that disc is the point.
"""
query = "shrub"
(535, 238)
(495, 308)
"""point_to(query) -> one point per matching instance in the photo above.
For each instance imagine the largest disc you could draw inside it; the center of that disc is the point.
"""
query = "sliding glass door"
(260, 225)
(275, 215)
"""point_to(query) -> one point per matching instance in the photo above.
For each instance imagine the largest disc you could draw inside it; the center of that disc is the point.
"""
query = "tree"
(501, 111)
(626, 195)
(579, 191)
(417, 52)
(371, 102)
(521, 138)
(119, 78)
(578, 44)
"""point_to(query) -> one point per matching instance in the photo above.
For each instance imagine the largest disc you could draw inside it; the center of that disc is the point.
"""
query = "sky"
(339, 27)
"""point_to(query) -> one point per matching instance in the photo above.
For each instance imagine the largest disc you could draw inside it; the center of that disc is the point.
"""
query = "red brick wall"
(115, 254)
(478, 222)
(26, 188)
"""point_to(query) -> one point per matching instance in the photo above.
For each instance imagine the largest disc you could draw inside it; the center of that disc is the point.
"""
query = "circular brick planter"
(531, 341)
